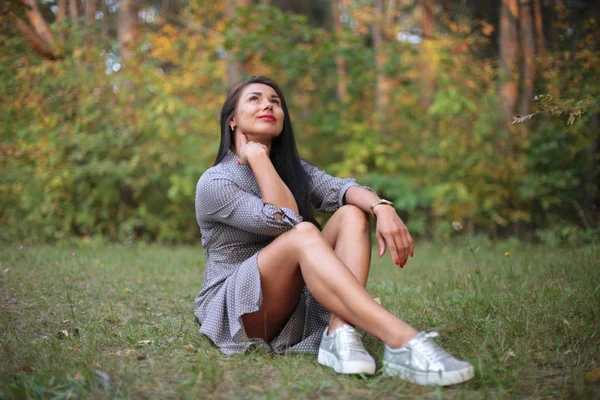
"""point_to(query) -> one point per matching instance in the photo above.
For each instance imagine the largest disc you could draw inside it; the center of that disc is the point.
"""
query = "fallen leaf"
(124, 352)
(190, 348)
(148, 342)
(377, 300)
(78, 376)
(62, 334)
(592, 376)
(509, 354)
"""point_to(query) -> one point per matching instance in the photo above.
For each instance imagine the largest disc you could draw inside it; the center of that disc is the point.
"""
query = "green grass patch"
(100, 321)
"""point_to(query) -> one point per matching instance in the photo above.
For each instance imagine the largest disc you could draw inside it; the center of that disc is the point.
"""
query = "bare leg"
(303, 249)
(347, 232)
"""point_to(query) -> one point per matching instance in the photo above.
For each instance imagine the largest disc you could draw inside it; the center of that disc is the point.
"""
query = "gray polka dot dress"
(235, 226)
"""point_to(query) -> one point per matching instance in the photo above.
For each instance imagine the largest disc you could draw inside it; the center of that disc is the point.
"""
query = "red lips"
(268, 117)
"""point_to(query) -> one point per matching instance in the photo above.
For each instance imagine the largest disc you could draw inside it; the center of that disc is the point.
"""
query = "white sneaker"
(343, 351)
(423, 362)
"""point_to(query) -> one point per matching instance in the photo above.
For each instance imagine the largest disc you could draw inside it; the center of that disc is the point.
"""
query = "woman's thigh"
(281, 283)
(280, 275)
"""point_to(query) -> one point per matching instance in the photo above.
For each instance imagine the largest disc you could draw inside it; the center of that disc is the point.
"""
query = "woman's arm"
(390, 230)
(272, 188)
(220, 199)
(361, 198)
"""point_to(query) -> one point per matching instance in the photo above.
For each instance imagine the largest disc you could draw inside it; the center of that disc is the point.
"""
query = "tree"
(539, 26)
(126, 30)
(236, 69)
(427, 67)
(380, 88)
(338, 26)
(38, 34)
(528, 43)
(509, 54)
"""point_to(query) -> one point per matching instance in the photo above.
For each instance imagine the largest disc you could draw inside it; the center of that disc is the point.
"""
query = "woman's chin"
(263, 135)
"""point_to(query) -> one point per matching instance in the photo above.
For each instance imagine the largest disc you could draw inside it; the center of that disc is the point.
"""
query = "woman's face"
(259, 111)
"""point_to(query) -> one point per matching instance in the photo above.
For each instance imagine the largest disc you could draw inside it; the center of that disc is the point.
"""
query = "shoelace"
(351, 342)
(429, 348)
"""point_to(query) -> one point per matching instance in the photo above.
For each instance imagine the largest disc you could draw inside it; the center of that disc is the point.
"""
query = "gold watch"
(379, 202)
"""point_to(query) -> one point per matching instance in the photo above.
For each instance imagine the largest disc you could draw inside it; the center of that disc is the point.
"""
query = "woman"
(273, 279)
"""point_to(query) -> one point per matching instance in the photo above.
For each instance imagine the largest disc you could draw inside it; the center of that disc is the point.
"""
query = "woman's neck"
(251, 138)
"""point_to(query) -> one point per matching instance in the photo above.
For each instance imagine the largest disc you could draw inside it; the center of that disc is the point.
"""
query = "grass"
(529, 322)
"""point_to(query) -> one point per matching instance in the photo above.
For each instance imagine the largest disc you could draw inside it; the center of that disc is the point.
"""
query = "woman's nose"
(268, 104)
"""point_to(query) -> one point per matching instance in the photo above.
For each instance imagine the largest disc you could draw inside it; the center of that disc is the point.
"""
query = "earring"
(232, 128)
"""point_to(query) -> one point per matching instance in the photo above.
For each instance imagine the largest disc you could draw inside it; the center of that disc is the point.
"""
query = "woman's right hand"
(250, 149)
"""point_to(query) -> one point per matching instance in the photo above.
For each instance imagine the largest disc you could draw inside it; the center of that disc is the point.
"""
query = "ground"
(93, 320)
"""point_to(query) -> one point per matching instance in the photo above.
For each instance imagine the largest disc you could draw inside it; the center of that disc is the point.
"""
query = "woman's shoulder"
(309, 167)
(215, 172)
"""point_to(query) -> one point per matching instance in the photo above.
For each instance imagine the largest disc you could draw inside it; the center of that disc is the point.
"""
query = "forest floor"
(116, 321)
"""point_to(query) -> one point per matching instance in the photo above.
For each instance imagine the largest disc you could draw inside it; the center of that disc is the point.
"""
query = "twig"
(519, 118)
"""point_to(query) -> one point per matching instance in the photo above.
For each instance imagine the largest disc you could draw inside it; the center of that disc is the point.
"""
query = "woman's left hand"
(392, 232)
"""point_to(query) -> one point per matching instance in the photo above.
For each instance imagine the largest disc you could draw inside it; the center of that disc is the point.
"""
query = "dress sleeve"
(326, 191)
(222, 200)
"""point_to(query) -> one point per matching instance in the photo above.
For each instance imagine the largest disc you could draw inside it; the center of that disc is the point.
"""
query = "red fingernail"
(238, 162)
(412, 254)
(397, 262)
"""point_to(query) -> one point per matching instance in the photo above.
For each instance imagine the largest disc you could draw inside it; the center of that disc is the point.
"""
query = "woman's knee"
(305, 234)
(307, 230)
(354, 216)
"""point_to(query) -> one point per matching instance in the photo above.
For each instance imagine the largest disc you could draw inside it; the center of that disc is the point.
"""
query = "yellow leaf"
(592, 376)
(190, 348)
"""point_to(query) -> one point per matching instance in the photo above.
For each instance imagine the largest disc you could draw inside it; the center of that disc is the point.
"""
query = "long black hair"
(283, 154)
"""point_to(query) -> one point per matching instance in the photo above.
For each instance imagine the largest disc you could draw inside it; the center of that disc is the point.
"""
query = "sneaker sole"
(429, 378)
(350, 367)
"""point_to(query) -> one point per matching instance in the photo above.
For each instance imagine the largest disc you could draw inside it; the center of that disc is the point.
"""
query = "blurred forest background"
(480, 112)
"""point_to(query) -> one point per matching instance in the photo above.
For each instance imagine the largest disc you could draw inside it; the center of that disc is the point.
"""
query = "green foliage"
(87, 153)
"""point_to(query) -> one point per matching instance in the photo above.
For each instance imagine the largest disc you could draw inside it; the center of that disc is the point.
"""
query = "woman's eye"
(275, 101)
(253, 98)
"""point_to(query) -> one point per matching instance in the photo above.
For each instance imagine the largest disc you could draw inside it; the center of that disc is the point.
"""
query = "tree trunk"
(509, 52)
(90, 12)
(427, 19)
(340, 63)
(380, 88)
(539, 26)
(528, 41)
(390, 21)
(235, 68)
(38, 44)
(427, 66)
(551, 16)
(62, 12)
(74, 11)
(126, 28)
(40, 26)
(105, 33)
